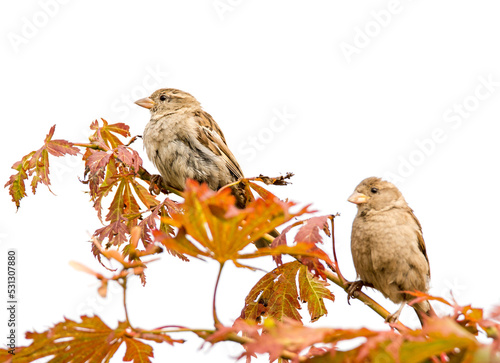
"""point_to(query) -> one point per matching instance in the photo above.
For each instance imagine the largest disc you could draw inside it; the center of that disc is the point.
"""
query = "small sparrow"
(183, 141)
(387, 246)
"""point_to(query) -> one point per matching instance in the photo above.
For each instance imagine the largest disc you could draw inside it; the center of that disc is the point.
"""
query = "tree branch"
(146, 176)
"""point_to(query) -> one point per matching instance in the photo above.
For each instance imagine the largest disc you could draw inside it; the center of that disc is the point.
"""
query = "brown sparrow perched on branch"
(387, 246)
(183, 141)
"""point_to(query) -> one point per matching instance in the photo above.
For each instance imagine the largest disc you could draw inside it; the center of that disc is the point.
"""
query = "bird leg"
(354, 287)
(155, 184)
(394, 317)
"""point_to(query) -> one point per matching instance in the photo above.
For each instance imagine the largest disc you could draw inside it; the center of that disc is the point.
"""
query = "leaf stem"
(216, 319)
(176, 330)
(123, 283)
(132, 140)
(89, 146)
(342, 279)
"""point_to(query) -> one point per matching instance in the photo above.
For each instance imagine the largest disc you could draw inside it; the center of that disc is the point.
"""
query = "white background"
(366, 82)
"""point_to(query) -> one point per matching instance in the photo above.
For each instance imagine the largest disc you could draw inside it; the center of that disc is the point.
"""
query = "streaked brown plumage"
(387, 245)
(183, 141)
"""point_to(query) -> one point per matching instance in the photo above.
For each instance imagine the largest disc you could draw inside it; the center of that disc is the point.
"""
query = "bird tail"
(424, 309)
(243, 195)
(263, 242)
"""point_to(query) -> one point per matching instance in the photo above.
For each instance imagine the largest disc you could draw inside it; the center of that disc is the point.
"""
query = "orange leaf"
(106, 133)
(221, 229)
(37, 163)
(137, 351)
(309, 232)
(275, 295)
(69, 341)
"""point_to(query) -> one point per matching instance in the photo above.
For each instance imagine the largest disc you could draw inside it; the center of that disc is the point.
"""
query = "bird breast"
(172, 145)
(385, 252)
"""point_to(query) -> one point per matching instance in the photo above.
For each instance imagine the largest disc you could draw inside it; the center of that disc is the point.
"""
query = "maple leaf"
(257, 302)
(129, 157)
(275, 294)
(222, 230)
(313, 291)
(378, 346)
(281, 241)
(288, 338)
(116, 232)
(288, 335)
(113, 170)
(442, 335)
(95, 165)
(284, 301)
(137, 351)
(16, 182)
(149, 223)
(97, 160)
(147, 199)
(467, 316)
(125, 209)
(36, 163)
(309, 232)
(88, 341)
(123, 202)
(309, 235)
(107, 132)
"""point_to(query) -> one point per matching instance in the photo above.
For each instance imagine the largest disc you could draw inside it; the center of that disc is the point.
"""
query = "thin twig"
(216, 319)
(123, 284)
(133, 139)
(142, 173)
(162, 330)
(233, 337)
(342, 279)
(89, 146)
(284, 353)
(361, 296)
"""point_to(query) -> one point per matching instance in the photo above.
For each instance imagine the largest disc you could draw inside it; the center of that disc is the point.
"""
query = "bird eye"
(163, 98)
(374, 190)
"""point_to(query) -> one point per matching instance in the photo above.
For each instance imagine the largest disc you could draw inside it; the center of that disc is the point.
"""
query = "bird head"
(169, 100)
(376, 194)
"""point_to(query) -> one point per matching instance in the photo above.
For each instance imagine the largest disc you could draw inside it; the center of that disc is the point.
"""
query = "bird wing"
(420, 237)
(211, 136)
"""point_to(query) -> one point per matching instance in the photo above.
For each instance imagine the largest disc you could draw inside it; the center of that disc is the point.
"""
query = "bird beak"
(358, 198)
(145, 102)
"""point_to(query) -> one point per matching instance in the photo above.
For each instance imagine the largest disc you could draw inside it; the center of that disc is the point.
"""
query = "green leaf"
(137, 351)
(313, 291)
(275, 295)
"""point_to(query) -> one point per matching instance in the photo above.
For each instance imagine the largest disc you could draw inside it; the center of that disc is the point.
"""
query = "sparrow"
(183, 141)
(387, 245)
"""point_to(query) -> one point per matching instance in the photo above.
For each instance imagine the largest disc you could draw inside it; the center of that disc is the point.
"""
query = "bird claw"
(353, 288)
(393, 318)
(154, 184)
